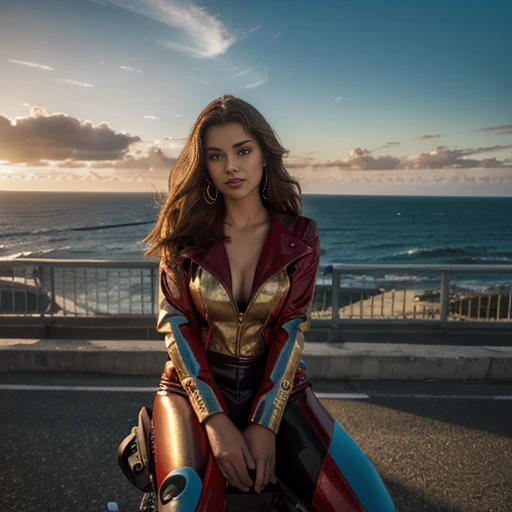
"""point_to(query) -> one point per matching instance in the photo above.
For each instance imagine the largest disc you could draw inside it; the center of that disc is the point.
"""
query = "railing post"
(335, 316)
(444, 295)
(153, 289)
(52, 289)
(40, 290)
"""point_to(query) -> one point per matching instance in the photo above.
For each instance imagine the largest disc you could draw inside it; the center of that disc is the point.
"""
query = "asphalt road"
(437, 454)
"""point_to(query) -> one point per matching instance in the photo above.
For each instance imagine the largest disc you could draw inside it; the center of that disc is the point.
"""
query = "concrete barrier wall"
(144, 328)
(353, 361)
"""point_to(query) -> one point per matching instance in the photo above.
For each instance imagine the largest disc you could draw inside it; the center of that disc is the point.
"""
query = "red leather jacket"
(294, 247)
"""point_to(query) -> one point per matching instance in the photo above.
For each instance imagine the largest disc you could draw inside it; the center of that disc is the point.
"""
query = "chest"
(243, 254)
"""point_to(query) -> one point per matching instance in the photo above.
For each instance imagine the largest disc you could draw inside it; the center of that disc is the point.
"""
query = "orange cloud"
(361, 159)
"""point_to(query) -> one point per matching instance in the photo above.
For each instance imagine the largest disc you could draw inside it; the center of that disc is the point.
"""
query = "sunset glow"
(389, 100)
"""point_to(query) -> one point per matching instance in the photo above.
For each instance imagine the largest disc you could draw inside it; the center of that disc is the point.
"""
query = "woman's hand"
(262, 445)
(230, 450)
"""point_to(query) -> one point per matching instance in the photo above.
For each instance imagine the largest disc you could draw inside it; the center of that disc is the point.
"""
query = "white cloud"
(151, 117)
(338, 98)
(255, 84)
(72, 82)
(206, 35)
(243, 34)
(176, 139)
(242, 73)
(188, 50)
(128, 68)
(198, 80)
(276, 35)
(31, 64)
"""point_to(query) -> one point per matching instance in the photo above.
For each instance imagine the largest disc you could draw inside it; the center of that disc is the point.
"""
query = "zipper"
(241, 316)
(239, 328)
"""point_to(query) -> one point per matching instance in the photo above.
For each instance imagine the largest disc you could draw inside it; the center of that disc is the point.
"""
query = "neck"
(246, 214)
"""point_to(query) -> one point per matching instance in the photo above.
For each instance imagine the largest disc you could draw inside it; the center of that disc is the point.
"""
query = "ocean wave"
(483, 261)
(379, 245)
(387, 279)
(472, 285)
(34, 254)
(405, 278)
(110, 226)
(29, 233)
(418, 252)
(85, 228)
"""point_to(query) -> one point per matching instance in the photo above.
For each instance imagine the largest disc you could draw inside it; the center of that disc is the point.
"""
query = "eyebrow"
(236, 145)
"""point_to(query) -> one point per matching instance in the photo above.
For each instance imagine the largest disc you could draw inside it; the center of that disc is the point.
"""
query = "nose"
(231, 164)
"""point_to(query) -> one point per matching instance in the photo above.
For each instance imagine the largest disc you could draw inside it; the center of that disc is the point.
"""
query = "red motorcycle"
(136, 459)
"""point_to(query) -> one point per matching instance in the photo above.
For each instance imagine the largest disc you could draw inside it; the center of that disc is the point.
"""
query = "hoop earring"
(207, 190)
(264, 197)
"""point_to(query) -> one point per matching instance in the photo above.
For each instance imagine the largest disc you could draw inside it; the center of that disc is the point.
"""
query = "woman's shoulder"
(300, 225)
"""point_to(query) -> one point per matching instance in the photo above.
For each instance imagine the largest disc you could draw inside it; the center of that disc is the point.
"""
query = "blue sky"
(368, 96)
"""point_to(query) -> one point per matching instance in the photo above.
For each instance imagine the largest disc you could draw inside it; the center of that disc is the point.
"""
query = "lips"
(235, 180)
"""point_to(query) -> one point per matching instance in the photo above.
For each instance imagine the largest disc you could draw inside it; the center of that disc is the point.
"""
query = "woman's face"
(233, 153)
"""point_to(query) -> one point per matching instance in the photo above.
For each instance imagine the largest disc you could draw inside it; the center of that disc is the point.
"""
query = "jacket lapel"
(281, 247)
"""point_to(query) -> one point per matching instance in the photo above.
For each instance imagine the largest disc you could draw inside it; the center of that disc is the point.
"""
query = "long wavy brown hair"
(186, 223)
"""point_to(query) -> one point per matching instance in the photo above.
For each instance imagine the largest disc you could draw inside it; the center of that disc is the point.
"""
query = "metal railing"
(62, 287)
(57, 288)
(441, 302)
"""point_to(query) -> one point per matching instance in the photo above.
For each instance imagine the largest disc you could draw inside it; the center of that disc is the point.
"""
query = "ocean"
(353, 229)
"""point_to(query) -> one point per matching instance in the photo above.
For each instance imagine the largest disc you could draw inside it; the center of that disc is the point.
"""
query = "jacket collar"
(281, 247)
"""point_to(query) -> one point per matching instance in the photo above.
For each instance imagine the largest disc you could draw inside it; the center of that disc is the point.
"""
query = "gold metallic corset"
(235, 333)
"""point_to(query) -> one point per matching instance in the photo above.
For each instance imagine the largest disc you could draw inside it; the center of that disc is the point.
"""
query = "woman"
(238, 264)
